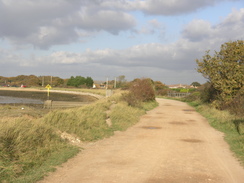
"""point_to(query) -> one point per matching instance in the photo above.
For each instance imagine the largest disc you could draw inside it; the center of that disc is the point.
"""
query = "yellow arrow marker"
(48, 89)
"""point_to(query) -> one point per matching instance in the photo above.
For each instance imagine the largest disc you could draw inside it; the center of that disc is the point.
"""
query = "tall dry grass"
(88, 122)
(124, 116)
(26, 144)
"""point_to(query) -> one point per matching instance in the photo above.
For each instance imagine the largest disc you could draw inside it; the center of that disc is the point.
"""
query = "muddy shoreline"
(42, 95)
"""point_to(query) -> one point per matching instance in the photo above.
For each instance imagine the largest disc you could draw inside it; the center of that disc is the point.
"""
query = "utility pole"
(115, 82)
(107, 84)
(42, 80)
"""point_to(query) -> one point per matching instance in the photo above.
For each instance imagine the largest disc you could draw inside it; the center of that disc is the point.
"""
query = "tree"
(225, 69)
(76, 81)
(89, 82)
(196, 84)
(71, 81)
(159, 85)
(121, 81)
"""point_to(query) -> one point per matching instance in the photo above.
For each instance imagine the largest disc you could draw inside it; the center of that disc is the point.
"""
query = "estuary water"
(17, 100)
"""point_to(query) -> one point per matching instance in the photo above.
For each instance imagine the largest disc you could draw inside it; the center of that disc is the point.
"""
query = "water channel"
(17, 100)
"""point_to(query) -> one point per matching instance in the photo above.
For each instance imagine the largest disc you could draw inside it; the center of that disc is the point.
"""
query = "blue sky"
(159, 39)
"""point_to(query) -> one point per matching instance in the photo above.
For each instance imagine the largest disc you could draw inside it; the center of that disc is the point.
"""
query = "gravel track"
(170, 144)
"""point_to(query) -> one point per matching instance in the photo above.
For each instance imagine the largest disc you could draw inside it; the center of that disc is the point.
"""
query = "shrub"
(236, 106)
(163, 92)
(208, 93)
(192, 97)
(141, 90)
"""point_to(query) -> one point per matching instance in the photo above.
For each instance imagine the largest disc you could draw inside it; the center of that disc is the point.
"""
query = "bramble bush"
(140, 90)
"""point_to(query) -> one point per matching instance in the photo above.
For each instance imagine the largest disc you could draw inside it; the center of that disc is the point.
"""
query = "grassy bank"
(232, 126)
(31, 145)
(28, 149)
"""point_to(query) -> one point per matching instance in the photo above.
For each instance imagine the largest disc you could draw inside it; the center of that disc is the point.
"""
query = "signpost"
(48, 90)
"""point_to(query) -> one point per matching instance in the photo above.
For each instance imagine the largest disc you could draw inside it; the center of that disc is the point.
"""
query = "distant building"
(180, 86)
(98, 86)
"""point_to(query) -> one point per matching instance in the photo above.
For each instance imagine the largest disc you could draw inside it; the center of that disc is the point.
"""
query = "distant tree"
(121, 81)
(30, 80)
(159, 85)
(79, 81)
(196, 84)
(225, 69)
(56, 81)
(89, 82)
(71, 81)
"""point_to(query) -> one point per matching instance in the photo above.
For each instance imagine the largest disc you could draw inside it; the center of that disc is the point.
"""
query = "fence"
(178, 95)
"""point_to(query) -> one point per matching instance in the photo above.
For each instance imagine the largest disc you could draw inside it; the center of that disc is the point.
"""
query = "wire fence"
(177, 94)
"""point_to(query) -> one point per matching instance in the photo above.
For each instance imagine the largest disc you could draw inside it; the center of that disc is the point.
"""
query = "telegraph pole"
(42, 80)
(115, 82)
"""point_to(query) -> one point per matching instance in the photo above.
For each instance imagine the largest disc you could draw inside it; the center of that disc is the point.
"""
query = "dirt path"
(170, 144)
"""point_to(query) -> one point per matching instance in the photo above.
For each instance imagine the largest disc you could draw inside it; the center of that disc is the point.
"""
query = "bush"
(192, 97)
(208, 93)
(236, 106)
(140, 90)
(163, 92)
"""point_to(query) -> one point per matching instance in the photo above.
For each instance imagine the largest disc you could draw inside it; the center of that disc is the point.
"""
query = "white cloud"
(230, 29)
(46, 23)
(111, 21)
(197, 30)
(172, 7)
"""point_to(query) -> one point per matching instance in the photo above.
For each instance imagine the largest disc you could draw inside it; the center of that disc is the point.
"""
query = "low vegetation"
(32, 145)
(140, 90)
(27, 145)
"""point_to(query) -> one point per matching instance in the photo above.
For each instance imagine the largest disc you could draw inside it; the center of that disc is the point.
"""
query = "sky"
(157, 39)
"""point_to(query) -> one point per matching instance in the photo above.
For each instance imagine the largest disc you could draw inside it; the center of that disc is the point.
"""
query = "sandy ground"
(170, 144)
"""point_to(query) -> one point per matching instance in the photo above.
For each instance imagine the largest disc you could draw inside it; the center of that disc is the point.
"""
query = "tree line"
(37, 81)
